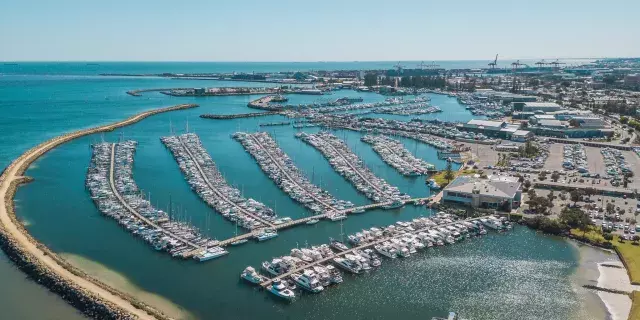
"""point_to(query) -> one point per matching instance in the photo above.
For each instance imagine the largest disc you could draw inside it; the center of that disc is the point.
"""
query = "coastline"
(618, 305)
(604, 269)
(89, 295)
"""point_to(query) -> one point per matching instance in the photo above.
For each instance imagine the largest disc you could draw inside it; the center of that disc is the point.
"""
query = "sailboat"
(239, 241)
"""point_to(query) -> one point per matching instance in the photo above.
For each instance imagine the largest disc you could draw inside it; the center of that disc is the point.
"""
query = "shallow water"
(482, 278)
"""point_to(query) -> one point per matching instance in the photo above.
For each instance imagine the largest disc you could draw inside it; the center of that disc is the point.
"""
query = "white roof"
(485, 123)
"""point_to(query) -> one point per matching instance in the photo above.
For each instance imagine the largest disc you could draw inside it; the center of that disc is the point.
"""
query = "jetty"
(302, 267)
(156, 225)
(352, 168)
(239, 115)
(397, 156)
(280, 168)
(207, 181)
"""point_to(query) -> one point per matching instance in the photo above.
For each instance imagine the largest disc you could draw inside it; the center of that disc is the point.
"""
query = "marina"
(396, 155)
(486, 268)
(399, 240)
(280, 168)
(204, 178)
(345, 162)
(114, 191)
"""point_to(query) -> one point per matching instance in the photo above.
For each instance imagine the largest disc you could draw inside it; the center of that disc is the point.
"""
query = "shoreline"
(618, 305)
(89, 295)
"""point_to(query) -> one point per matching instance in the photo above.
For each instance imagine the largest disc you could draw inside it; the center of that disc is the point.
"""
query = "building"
(540, 106)
(486, 127)
(589, 122)
(632, 79)
(500, 193)
(522, 135)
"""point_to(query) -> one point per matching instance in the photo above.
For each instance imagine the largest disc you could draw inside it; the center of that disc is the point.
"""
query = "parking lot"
(624, 214)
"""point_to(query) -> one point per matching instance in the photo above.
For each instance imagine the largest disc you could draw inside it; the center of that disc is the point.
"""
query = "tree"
(527, 184)
(555, 176)
(608, 236)
(636, 238)
(575, 195)
(575, 218)
(370, 79)
(611, 208)
(448, 173)
(551, 196)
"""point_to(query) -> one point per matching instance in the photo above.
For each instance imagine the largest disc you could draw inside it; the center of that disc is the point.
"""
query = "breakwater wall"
(239, 115)
(89, 295)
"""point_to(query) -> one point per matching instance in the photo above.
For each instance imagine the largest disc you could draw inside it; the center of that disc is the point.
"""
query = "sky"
(325, 30)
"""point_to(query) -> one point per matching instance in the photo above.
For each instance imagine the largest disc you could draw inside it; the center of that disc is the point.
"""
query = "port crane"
(399, 67)
(492, 65)
(556, 64)
(541, 64)
(421, 65)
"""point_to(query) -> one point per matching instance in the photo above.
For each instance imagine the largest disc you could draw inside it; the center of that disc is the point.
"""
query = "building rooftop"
(485, 123)
(550, 123)
(498, 187)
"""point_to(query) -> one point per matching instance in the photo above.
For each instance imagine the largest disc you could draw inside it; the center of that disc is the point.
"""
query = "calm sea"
(519, 274)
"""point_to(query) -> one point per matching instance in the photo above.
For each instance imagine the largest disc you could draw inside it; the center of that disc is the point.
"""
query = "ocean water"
(518, 274)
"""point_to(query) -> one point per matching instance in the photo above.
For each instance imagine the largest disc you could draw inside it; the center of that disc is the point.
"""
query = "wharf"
(296, 222)
(240, 115)
(273, 160)
(339, 254)
(264, 103)
(196, 248)
(354, 168)
(216, 191)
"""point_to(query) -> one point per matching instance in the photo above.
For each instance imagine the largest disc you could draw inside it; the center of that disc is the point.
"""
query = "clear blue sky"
(328, 30)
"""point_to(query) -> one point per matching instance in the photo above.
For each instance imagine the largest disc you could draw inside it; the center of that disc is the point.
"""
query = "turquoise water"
(484, 278)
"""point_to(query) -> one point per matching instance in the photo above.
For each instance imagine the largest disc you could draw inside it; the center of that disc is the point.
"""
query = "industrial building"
(500, 193)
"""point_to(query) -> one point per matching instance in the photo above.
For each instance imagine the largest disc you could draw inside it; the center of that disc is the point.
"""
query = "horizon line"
(307, 61)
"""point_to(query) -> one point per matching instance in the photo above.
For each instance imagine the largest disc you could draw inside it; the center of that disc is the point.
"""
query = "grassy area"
(439, 177)
(635, 306)
(630, 254)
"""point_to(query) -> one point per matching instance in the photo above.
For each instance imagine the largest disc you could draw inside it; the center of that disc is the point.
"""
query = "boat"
(312, 221)
(279, 289)
(337, 216)
(433, 184)
(250, 274)
(337, 245)
(358, 210)
(386, 250)
(239, 242)
(492, 223)
(334, 275)
(347, 264)
(211, 253)
(275, 267)
(266, 234)
(397, 203)
(308, 281)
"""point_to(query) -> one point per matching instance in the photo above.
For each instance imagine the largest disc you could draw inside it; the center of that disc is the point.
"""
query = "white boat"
(433, 184)
(335, 276)
(397, 203)
(337, 245)
(280, 290)
(492, 223)
(358, 210)
(386, 251)
(348, 265)
(211, 253)
(266, 234)
(250, 274)
(239, 242)
(308, 281)
(312, 221)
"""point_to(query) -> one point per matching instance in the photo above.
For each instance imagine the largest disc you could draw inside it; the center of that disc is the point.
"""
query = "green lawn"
(442, 182)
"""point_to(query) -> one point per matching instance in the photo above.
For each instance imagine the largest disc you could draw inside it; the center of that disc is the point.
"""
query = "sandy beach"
(618, 305)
